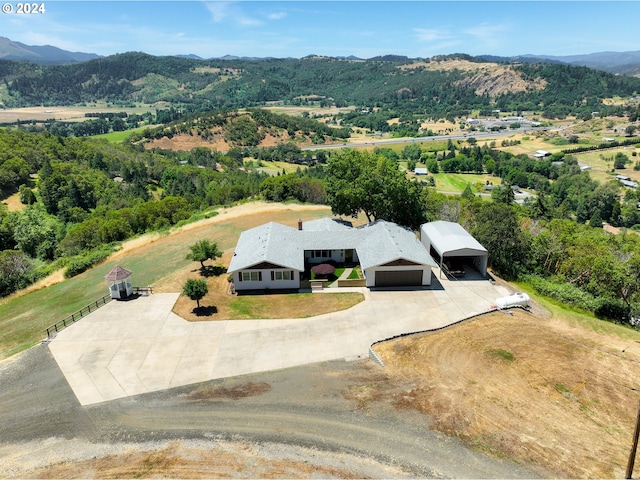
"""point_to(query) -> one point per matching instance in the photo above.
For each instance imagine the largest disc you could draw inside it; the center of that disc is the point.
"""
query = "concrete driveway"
(138, 346)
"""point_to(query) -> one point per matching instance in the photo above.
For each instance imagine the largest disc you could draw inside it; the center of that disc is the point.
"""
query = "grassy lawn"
(274, 168)
(290, 305)
(159, 261)
(457, 182)
(356, 274)
(576, 317)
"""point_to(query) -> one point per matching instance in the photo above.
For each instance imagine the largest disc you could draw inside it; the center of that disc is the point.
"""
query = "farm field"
(68, 114)
(601, 163)
(457, 182)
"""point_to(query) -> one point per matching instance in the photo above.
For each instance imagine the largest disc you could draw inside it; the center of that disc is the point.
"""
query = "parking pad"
(138, 346)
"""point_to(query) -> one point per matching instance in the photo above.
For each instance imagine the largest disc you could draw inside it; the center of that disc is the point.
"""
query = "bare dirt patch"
(530, 388)
(189, 460)
(249, 389)
(13, 203)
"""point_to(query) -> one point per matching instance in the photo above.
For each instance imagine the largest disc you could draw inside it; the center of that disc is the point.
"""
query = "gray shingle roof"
(271, 242)
(376, 244)
(384, 242)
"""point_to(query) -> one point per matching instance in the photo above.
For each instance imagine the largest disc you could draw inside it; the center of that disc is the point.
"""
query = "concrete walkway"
(138, 346)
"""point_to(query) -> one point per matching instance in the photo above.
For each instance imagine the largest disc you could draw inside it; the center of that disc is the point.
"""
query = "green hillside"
(449, 86)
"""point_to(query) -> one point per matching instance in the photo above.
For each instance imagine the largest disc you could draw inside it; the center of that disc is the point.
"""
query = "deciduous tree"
(195, 289)
(360, 181)
(202, 251)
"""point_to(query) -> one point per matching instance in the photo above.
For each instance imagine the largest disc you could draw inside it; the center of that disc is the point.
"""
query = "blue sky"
(336, 28)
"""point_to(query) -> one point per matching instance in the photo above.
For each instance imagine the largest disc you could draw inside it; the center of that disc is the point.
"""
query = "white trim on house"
(272, 247)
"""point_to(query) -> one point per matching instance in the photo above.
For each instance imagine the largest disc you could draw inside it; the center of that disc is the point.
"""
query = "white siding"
(266, 281)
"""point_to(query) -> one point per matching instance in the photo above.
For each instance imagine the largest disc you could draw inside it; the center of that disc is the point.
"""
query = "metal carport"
(450, 239)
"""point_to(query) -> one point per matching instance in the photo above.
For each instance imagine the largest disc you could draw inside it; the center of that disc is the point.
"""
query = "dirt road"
(314, 420)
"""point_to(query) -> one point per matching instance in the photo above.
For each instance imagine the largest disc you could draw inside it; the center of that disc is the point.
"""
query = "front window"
(286, 275)
(250, 276)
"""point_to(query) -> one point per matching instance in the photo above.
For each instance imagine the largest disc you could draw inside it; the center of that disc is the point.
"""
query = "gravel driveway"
(317, 408)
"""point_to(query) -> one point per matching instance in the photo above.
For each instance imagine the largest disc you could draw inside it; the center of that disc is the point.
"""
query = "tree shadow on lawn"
(212, 270)
(205, 311)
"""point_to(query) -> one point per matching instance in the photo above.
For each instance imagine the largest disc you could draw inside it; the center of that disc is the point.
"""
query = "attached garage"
(398, 278)
(449, 243)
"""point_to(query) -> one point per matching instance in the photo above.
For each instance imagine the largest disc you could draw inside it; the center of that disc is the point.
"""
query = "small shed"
(119, 279)
(450, 242)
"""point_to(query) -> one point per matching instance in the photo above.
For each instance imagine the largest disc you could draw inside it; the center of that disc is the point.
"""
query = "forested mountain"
(450, 86)
(46, 54)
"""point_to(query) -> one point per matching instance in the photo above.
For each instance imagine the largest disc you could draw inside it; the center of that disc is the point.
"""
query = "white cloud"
(431, 34)
(219, 10)
(277, 16)
(231, 12)
(487, 35)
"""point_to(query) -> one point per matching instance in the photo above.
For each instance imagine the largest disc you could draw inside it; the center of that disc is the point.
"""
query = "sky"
(366, 28)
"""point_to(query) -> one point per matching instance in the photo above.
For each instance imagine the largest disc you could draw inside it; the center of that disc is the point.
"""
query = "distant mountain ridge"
(10, 50)
(626, 63)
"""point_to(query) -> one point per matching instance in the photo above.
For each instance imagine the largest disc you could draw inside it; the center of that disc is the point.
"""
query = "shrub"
(86, 260)
(562, 292)
(613, 309)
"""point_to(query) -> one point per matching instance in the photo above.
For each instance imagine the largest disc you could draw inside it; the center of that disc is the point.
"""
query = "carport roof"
(451, 238)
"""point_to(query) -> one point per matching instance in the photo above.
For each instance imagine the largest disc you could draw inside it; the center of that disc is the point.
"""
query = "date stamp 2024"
(23, 8)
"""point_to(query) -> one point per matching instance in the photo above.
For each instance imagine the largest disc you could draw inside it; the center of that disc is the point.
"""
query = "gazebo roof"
(117, 273)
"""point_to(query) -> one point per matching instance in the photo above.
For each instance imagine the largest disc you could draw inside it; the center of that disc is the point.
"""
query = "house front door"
(348, 256)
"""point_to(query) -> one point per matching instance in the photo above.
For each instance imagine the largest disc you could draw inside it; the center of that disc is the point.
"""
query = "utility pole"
(632, 455)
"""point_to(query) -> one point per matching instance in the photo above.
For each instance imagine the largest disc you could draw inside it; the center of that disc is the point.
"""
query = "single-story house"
(449, 241)
(541, 154)
(275, 256)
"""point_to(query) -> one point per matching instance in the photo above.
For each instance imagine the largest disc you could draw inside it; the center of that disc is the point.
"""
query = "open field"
(457, 182)
(13, 203)
(119, 137)
(155, 260)
(67, 114)
(314, 111)
(601, 163)
(552, 389)
(274, 168)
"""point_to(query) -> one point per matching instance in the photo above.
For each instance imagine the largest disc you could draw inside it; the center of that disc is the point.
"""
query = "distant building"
(541, 154)
(420, 171)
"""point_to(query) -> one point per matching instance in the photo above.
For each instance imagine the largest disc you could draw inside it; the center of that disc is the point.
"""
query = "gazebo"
(119, 279)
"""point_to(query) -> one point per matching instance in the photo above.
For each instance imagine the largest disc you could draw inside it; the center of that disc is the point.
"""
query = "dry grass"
(540, 390)
(219, 304)
(177, 460)
(13, 203)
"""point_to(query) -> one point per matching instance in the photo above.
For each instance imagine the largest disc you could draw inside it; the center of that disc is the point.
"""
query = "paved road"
(454, 136)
